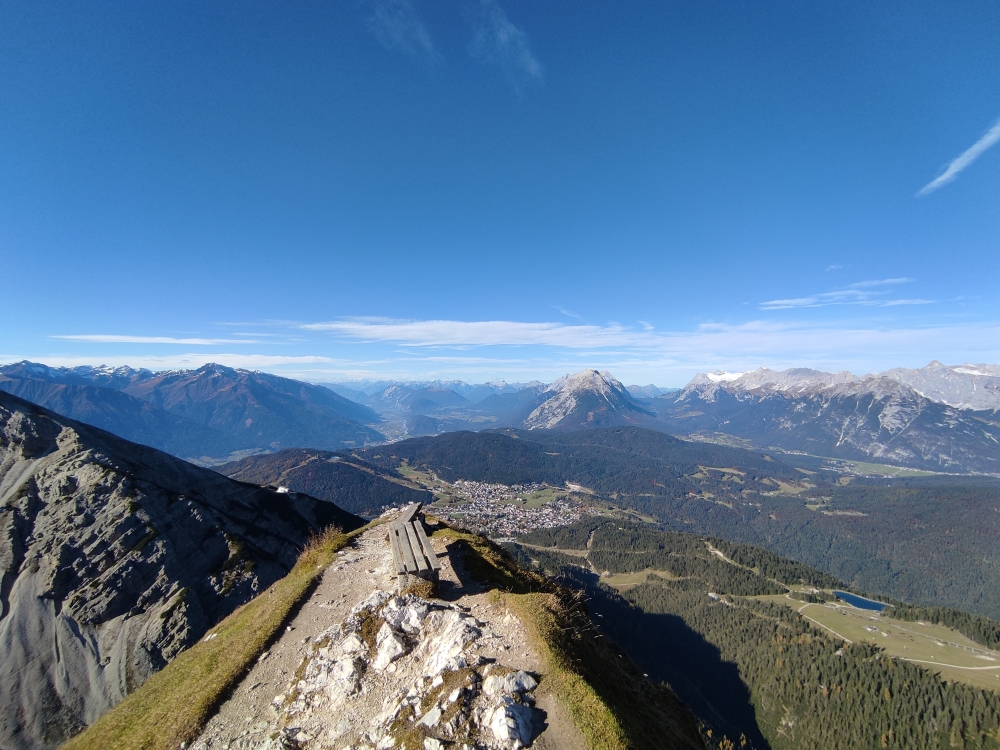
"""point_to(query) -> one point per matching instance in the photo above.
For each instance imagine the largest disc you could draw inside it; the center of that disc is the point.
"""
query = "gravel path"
(251, 719)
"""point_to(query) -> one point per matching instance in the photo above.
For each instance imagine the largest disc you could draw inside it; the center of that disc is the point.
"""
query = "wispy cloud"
(374, 348)
(188, 360)
(977, 149)
(453, 333)
(545, 350)
(881, 282)
(860, 293)
(497, 41)
(568, 313)
(396, 25)
(107, 338)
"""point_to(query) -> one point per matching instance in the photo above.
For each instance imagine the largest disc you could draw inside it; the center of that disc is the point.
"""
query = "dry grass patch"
(174, 704)
(423, 589)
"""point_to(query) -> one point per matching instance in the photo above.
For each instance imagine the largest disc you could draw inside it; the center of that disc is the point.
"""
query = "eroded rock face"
(114, 557)
(440, 693)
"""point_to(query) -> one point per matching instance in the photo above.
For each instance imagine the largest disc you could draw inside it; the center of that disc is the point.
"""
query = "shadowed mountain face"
(623, 461)
(122, 414)
(114, 557)
(209, 412)
(347, 481)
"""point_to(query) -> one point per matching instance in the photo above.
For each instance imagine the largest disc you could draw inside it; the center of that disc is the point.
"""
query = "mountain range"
(210, 412)
(938, 418)
(116, 557)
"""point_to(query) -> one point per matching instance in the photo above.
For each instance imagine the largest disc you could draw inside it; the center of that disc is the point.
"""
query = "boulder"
(510, 723)
(390, 647)
(515, 683)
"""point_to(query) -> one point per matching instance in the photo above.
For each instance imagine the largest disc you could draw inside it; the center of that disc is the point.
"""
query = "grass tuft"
(423, 589)
(174, 704)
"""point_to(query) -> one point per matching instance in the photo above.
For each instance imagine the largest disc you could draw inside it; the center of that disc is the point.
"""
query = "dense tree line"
(574, 536)
(775, 566)
(757, 672)
(982, 630)
(811, 691)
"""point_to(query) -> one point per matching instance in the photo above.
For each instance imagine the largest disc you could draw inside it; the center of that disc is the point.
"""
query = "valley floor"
(933, 647)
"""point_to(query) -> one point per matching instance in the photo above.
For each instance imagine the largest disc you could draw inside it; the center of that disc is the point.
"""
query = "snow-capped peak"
(722, 376)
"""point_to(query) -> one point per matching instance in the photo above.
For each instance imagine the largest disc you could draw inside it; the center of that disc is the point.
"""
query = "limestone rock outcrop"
(114, 557)
(438, 691)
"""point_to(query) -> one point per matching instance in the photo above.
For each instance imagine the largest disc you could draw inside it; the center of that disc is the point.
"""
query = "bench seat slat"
(404, 547)
(397, 559)
(425, 543)
(418, 553)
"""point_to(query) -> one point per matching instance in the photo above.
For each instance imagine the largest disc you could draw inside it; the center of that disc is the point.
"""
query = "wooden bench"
(412, 553)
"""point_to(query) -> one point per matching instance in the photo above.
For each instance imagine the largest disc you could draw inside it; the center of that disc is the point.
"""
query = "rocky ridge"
(424, 645)
(114, 557)
(365, 668)
(971, 387)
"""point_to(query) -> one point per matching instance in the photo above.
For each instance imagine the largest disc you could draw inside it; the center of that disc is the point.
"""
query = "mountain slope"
(641, 465)
(113, 558)
(872, 418)
(927, 540)
(350, 483)
(747, 641)
(586, 399)
(498, 658)
(975, 387)
(212, 411)
(127, 416)
(258, 409)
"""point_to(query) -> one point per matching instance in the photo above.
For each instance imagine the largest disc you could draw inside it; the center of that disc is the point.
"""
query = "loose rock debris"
(397, 672)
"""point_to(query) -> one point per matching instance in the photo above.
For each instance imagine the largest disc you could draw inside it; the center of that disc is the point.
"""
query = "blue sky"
(485, 189)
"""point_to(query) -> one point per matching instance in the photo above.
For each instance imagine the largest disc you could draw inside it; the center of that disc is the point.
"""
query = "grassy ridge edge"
(174, 704)
(609, 700)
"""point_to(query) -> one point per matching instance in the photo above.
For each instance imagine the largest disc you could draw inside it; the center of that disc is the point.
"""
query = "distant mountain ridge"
(974, 387)
(209, 412)
(938, 418)
(345, 480)
(881, 418)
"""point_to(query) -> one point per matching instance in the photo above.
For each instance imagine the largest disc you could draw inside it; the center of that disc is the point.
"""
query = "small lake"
(860, 602)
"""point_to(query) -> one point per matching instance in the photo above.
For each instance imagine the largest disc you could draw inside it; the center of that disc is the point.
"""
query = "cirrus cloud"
(111, 338)
(965, 159)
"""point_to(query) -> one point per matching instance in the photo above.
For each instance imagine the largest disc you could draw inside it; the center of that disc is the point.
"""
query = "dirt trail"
(252, 719)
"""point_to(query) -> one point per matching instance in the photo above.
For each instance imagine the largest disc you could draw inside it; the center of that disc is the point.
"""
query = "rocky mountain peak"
(586, 398)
